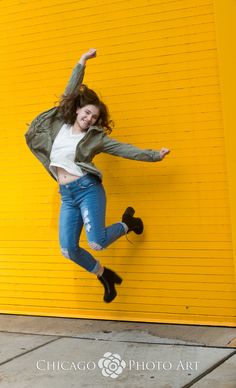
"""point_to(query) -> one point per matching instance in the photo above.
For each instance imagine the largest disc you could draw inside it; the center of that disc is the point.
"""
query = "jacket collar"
(95, 128)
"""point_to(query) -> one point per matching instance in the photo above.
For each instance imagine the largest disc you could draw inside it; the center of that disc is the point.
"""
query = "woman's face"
(87, 116)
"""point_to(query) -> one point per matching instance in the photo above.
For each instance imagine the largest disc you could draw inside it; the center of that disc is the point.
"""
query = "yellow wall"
(226, 30)
(157, 69)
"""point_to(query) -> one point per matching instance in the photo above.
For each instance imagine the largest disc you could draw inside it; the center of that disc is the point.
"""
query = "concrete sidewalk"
(43, 352)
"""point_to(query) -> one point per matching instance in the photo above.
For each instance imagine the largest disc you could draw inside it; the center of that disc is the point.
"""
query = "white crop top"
(63, 151)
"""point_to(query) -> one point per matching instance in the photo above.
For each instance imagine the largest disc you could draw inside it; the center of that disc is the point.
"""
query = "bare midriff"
(65, 177)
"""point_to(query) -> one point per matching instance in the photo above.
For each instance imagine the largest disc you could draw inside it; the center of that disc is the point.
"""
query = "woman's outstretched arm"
(129, 151)
(77, 75)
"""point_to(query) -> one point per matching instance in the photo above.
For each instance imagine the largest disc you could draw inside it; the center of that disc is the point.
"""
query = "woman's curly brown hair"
(68, 105)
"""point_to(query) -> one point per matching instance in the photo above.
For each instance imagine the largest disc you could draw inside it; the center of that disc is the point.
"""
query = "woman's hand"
(91, 53)
(164, 152)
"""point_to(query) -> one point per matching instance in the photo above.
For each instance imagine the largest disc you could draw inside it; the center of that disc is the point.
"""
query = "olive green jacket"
(44, 128)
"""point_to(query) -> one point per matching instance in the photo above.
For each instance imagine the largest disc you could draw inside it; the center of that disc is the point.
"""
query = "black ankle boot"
(134, 224)
(108, 280)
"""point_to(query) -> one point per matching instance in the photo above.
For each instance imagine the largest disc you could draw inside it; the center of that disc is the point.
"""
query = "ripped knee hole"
(65, 252)
(95, 246)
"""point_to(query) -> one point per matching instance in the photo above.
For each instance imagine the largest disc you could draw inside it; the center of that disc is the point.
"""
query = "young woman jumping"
(65, 139)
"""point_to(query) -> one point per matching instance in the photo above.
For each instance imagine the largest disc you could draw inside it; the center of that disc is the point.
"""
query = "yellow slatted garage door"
(157, 69)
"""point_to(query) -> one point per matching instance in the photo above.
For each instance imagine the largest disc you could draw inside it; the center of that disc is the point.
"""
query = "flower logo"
(112, 365)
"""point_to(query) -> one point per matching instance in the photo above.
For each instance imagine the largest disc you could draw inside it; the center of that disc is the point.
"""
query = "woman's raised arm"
(77, 75)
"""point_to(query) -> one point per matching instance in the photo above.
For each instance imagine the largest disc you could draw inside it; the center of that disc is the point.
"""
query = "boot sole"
(110, 299)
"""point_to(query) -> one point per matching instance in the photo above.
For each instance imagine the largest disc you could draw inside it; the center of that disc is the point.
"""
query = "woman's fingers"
(92, 53)
(164, 152)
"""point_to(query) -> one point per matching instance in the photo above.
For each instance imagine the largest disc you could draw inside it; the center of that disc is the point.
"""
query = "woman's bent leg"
(70, 227)
(93, 210)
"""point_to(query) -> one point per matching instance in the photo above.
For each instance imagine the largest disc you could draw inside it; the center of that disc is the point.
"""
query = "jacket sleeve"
(128, 151)
(75, 80)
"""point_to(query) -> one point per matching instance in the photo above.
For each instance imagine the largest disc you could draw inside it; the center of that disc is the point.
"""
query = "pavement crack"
(209, 370)
(28, 351)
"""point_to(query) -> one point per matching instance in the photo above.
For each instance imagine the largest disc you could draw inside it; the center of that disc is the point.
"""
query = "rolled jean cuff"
(125, 227)
(96, 267)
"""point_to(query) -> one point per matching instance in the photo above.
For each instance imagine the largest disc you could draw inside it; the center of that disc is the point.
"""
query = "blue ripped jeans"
(84, 203)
